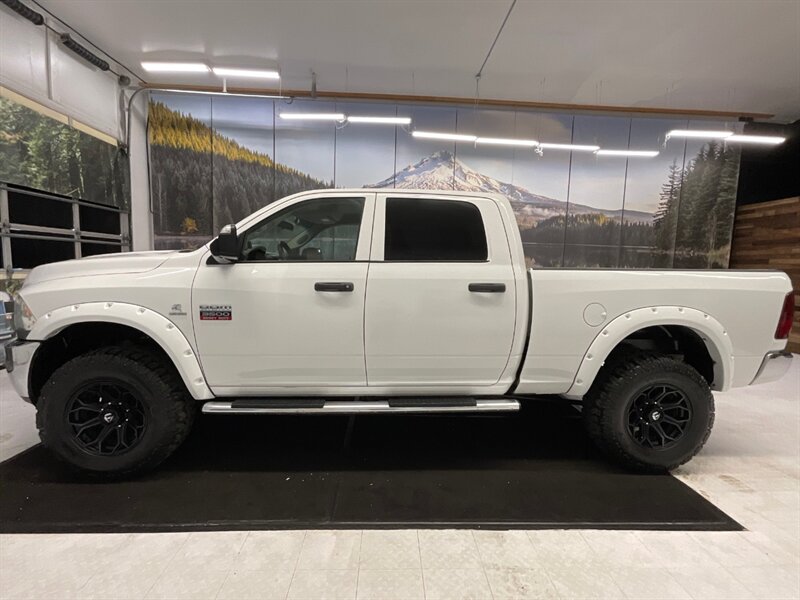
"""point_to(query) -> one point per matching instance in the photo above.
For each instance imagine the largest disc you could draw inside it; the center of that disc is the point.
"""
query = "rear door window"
(427, 229)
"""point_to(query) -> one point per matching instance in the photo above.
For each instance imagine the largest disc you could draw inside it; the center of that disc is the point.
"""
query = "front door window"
(318, 230)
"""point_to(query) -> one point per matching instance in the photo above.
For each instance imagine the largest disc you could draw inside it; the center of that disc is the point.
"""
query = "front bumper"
(4, 339)
(773, 367)
(19, 355)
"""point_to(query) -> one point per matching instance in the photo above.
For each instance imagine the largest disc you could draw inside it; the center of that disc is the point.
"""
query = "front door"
(441, 296)
(290, 313)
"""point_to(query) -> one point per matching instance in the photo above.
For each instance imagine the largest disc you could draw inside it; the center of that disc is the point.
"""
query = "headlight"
(24, 318)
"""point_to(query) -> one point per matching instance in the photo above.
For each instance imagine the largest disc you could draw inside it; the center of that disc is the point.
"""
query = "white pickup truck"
(382, 301)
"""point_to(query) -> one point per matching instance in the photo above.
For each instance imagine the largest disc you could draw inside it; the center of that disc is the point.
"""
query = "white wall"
(141, 217)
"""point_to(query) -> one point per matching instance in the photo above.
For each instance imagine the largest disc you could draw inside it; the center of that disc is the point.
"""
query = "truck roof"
(410, 191)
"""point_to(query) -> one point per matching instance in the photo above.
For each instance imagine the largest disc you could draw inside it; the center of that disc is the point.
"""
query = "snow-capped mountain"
(442, 171)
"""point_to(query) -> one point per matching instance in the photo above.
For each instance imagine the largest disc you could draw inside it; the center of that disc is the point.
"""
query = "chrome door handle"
(334, 286)
(487, 288)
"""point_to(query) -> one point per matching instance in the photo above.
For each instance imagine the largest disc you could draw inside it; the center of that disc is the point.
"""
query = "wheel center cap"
(109, 417)
(655, 415)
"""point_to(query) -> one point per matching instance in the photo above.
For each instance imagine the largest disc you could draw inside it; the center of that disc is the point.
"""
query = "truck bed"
(573, 309)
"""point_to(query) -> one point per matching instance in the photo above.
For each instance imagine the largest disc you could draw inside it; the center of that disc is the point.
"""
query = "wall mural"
(216, 159)
(43, 153)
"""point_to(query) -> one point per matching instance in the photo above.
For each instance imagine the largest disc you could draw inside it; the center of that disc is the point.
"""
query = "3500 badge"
(215, 312)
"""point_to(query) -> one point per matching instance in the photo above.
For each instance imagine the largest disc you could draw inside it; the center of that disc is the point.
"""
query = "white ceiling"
(738, 55)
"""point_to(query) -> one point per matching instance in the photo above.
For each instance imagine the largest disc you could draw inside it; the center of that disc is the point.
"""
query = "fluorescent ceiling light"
(175, 67)
(381, 120)
(771, 140)
(176, 91)
(453, 137)
(698, 133)
(506, 142)
(314, 116)
(252, 73)
(575, 147)
(641, 153)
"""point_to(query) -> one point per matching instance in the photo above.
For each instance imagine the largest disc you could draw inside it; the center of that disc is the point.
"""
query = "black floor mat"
(530, 470)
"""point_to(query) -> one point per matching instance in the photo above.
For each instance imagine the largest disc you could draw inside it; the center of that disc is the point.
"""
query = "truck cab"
(373, 292)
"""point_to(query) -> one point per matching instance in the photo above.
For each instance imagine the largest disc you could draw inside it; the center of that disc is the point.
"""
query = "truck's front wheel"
(116, 410)
(649, 412)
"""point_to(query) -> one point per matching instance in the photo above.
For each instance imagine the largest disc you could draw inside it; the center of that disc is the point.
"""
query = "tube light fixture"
(23, 11)
(203, 92)
(506, 142)
(175, 67)
(313, 116)
(699, 133)
(84, 52)
(639, 153)
(380, 120)
(771, 140)
(435, 135)
(573, 147)
(249, 73)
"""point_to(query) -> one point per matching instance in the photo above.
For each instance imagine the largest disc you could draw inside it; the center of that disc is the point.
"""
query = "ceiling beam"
(487, 103)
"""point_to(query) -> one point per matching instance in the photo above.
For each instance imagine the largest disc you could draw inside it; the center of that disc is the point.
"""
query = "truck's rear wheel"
(116, 411)
(649, 412)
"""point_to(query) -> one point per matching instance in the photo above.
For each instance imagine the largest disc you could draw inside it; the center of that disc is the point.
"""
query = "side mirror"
(226, 246)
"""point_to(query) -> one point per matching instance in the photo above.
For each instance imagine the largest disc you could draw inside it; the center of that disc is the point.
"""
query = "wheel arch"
(98, 324)
(714, 359)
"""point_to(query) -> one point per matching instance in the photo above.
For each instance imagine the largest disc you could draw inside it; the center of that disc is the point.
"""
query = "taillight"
(786, 318)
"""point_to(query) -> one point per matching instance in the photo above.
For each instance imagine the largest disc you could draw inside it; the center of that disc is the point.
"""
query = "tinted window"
(440, 230)
(323, 229)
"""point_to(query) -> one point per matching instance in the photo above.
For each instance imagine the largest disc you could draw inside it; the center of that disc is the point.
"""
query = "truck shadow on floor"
(535, 469)
(541, 432)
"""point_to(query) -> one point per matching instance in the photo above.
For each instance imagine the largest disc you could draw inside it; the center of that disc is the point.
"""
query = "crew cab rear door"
(441, 296)
(289, 315)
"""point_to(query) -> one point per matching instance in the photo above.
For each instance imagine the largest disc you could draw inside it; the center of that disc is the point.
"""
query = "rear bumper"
(773, 367)
(19, 355)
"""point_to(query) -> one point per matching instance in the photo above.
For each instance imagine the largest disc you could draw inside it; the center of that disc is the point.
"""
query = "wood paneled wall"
(767, 236)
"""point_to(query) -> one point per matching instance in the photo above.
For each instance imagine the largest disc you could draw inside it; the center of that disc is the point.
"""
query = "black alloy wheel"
(106, 418)
(659, 416)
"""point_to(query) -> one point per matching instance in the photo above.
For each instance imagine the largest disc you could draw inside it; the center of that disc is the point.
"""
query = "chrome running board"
(343, 407)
